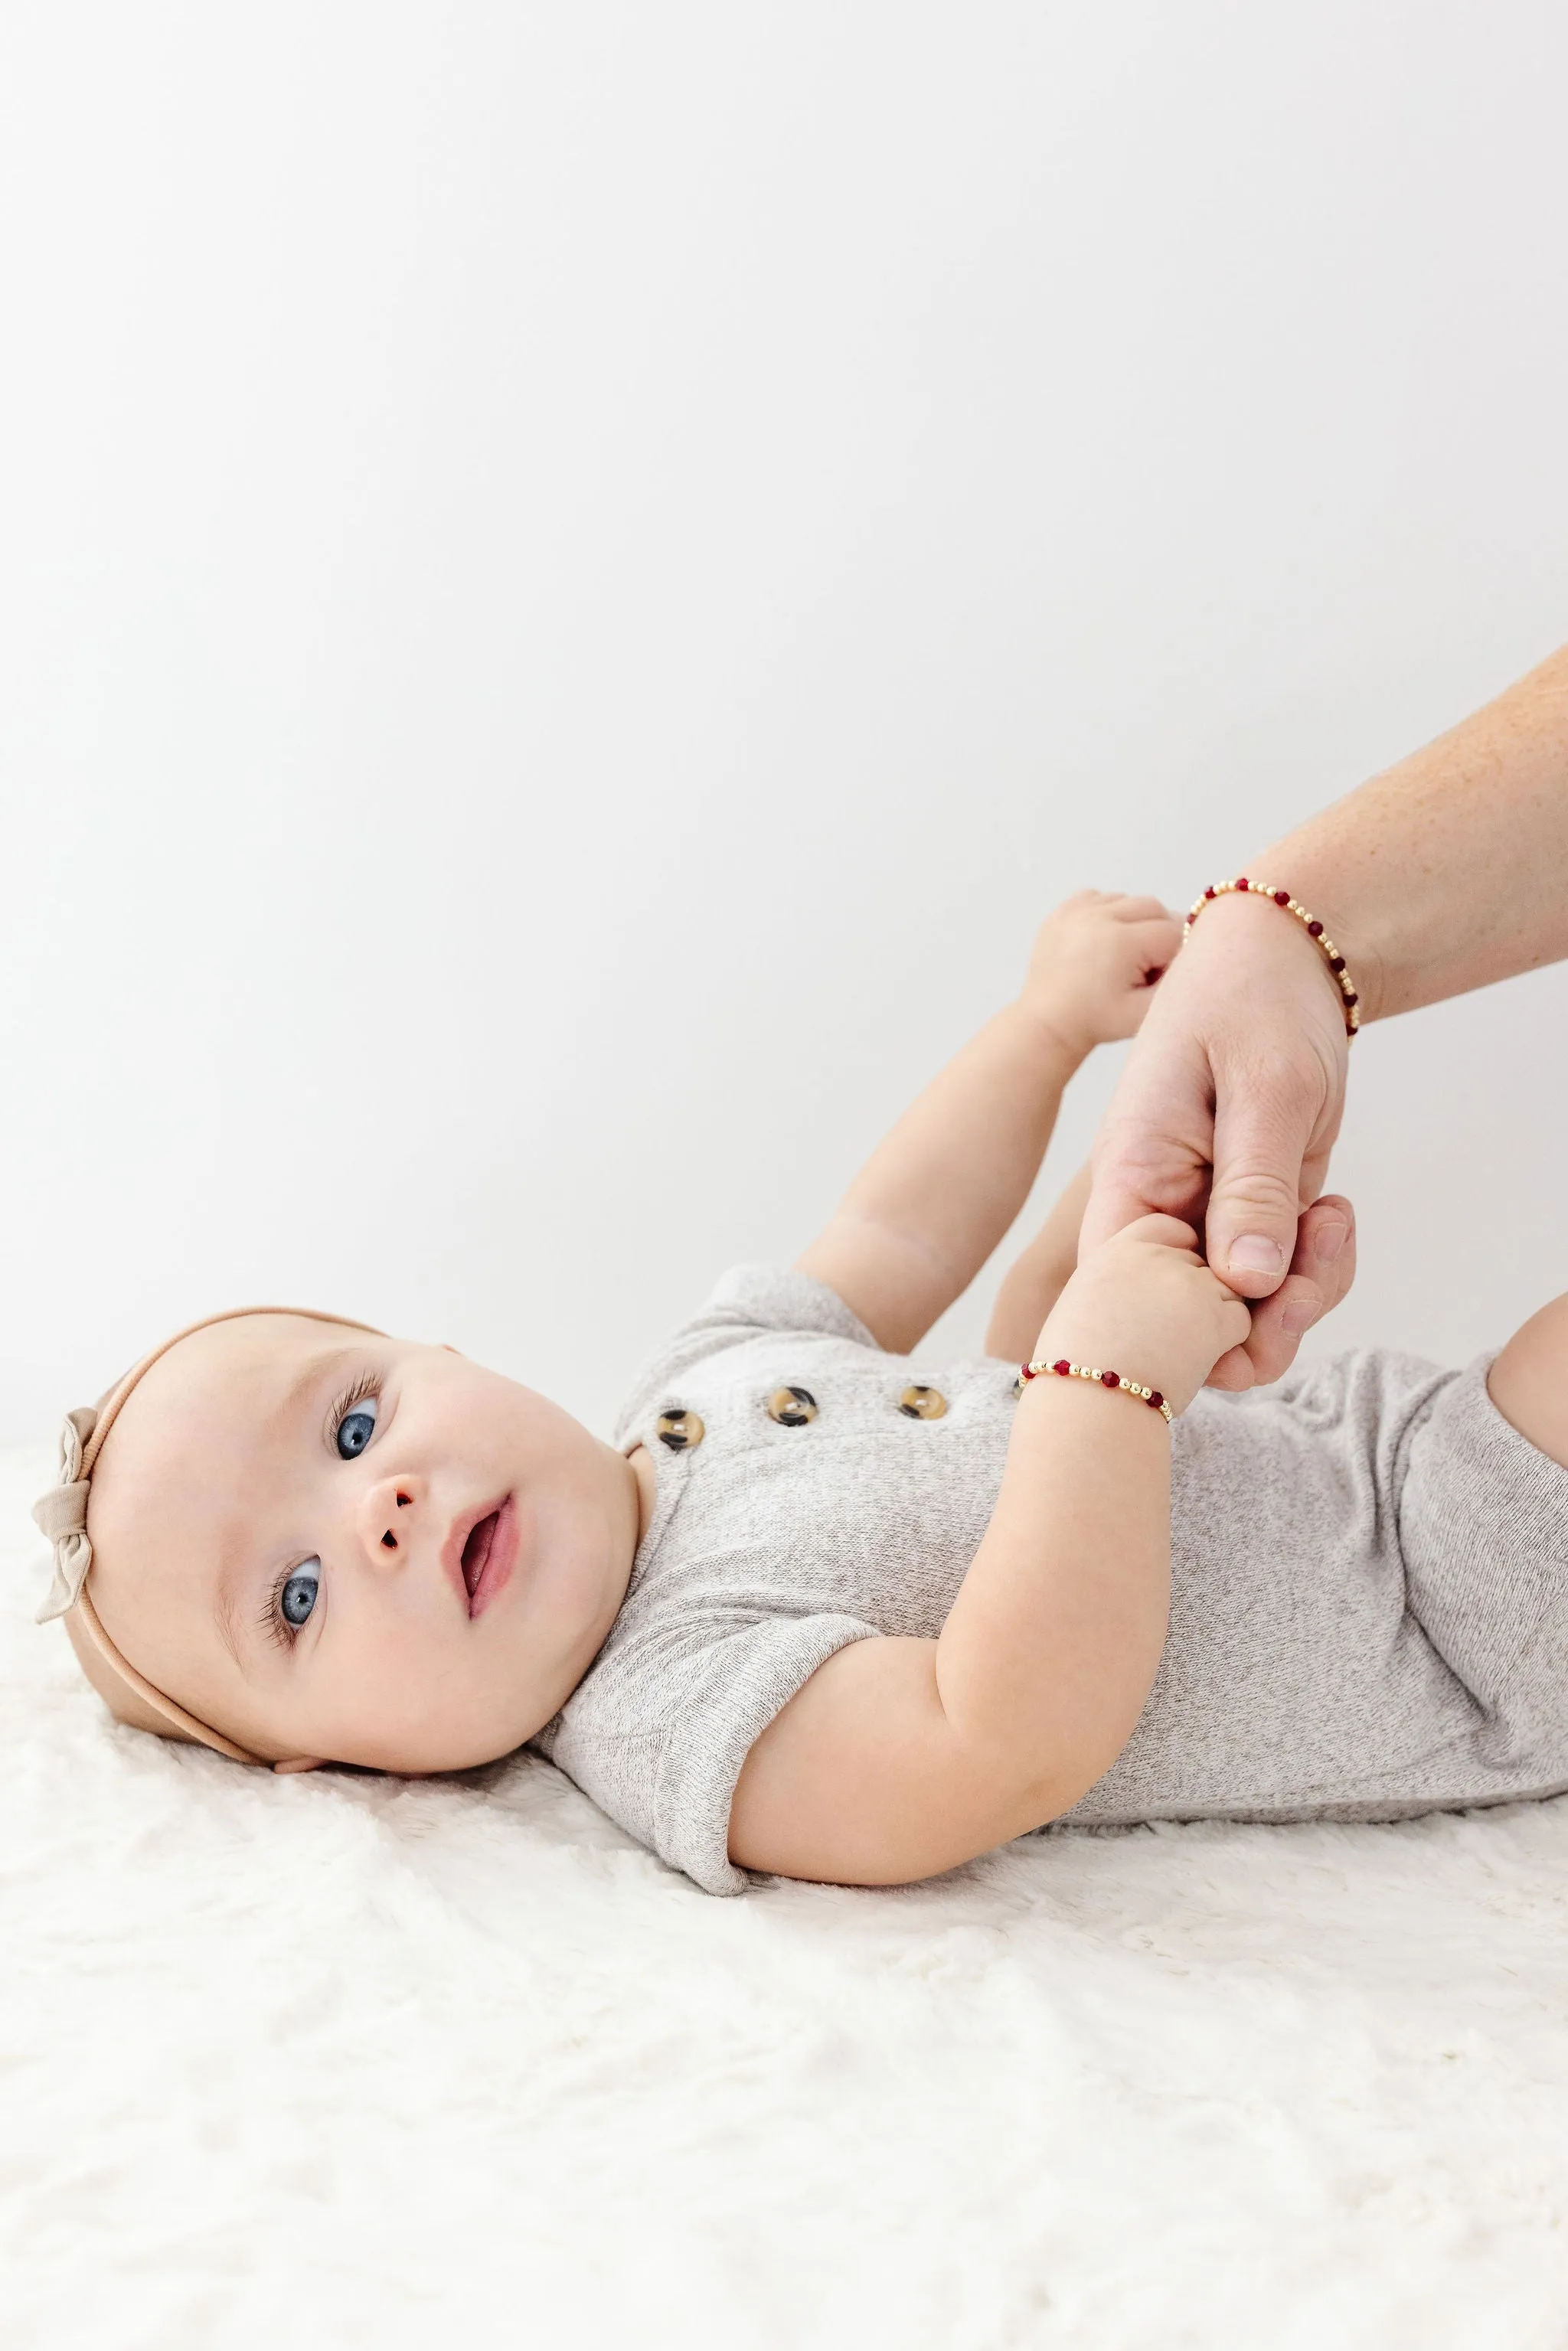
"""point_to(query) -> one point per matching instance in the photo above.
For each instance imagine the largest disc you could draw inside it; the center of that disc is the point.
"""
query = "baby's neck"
(641, 1462)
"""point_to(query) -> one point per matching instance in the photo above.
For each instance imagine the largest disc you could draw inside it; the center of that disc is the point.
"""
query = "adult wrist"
(1276, 925)
(1324, 884)
(1331, 958)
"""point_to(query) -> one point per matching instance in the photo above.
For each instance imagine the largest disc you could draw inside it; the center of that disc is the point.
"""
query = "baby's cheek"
(368, 1680)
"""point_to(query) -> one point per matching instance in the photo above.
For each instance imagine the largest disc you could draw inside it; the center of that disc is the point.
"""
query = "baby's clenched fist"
(1094, 965)
(1143, 1303)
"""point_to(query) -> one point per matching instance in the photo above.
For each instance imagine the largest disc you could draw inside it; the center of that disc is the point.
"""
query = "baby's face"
(327, 1544)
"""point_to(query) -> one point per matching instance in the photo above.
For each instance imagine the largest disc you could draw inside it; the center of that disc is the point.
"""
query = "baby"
(831, 1608)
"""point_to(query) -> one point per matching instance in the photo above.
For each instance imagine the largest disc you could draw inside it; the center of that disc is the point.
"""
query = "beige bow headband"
(61, 1514)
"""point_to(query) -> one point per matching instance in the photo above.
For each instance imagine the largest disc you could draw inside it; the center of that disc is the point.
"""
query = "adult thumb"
(1262, 1132)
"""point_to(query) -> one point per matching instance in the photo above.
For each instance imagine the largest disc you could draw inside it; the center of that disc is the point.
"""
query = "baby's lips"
(452, 1550)
(481, 1551)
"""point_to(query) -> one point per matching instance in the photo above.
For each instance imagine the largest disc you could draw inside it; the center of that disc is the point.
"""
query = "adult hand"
(1225, 1116)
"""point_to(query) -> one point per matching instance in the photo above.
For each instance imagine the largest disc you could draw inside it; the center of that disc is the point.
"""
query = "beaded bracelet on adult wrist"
(1066, 1371)
(1309, 924)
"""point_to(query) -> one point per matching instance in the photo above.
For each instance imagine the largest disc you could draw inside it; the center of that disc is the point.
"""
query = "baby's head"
(321, 1543)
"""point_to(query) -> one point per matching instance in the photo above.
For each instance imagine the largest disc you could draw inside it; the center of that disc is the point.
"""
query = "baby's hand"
(1093, 967)
(1144, 1304)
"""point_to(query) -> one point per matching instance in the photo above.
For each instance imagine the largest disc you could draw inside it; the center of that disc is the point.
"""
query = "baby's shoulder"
(750, 1303)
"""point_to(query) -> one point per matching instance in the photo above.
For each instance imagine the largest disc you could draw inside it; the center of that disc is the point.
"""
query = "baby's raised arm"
(929, 1207)
(1036, 1280)
(902, 1758)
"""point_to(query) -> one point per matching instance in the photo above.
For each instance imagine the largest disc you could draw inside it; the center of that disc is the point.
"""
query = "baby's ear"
(299, 1763)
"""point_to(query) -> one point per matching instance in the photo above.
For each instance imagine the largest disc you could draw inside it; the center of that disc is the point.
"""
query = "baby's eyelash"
(273, 1621)
(367, 1384)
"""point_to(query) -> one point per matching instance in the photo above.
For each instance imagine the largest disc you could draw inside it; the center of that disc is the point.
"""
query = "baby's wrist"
(1057, 1033)
(1107, 1341)
(1110, 1333)
(1108, 1376)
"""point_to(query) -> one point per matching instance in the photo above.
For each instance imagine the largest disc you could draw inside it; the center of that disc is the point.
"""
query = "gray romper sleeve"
(707, 1647)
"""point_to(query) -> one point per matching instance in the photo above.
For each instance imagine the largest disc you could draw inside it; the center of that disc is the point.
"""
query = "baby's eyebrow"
(305, 1380)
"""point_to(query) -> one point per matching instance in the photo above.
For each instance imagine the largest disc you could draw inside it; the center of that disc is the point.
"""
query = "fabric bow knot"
(61, 1515)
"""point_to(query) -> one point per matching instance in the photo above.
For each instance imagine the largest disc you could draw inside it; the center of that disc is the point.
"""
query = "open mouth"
(477, 1550)
(488, 1555)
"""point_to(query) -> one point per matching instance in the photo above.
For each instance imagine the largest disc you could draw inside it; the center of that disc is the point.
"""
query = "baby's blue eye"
(299, 1594)
(356, 1429)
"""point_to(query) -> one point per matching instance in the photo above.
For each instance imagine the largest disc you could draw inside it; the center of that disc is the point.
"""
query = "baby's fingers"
(1168, 1232)
(1154, 941)
(1139, 909)
(1235, 1324)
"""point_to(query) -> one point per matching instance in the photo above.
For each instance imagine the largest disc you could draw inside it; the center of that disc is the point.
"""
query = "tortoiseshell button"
(679, 1430)
(923, 1404)
(792, 1407)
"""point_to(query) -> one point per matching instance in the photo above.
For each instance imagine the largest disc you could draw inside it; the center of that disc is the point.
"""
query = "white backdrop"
(576, 577)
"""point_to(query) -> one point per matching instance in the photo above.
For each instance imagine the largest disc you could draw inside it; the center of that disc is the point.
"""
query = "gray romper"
(1369, 1607)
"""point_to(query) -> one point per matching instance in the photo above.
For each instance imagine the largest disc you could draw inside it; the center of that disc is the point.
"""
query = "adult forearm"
(1450, 870)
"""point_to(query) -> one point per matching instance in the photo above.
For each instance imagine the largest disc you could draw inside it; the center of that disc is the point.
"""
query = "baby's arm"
(901, 1758)
(1036, 1281)
(930, 1206)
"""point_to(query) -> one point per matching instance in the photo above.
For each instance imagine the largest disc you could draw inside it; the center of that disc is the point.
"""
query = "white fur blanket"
(335, 2060)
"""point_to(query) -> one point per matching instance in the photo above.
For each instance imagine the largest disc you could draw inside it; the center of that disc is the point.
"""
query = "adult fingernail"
(1328, 1239)
(1255, 1253)
(1298, 1316)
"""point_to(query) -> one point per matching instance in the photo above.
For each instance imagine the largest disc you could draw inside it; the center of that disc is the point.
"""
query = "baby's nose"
(388, 1515)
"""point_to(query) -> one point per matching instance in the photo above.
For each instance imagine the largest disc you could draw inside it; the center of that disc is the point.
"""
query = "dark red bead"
(1336, 963)
(1208, 894)
(1110, 1379)
(1242, 882)
(1281, 897)
(1350, 996)
(1316, 930)
(1061, 1367)
(1155, 1401)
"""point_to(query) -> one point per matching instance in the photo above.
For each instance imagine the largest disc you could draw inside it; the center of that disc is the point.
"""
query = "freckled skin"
(208, 1483)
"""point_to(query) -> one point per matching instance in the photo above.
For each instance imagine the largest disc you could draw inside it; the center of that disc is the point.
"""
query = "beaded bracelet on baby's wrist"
(1066, 1371)
(1309, 924)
